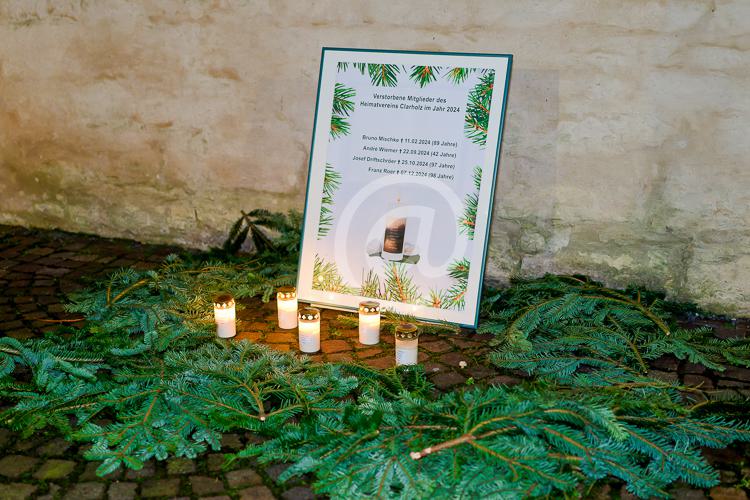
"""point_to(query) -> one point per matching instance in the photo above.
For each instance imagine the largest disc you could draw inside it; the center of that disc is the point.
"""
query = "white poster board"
(401, 181)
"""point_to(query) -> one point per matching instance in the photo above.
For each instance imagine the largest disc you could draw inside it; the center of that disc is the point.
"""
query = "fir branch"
(326, 277)
(478, 109)
(331, 183)
(468, 220)
(423, 75)
(343, 106)
(458, 75)
(383, 75)
(399, 285)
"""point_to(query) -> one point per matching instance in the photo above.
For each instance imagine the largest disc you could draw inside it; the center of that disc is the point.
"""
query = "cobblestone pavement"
(37, 269)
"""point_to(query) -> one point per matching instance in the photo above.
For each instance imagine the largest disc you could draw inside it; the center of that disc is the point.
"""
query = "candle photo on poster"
(398, 198)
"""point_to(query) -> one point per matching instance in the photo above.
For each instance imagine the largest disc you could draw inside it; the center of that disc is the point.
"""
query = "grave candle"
(369, 322)
(407, 339)
(224, 315)
(286, 303)
(309, 329)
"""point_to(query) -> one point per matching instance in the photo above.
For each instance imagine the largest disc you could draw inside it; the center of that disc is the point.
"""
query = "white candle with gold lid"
(309, 329)
(286, 303)
(369, 322)
(407, 344)
(224, 315)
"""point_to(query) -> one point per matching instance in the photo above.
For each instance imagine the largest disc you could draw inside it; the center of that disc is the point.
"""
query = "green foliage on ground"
(146, 378)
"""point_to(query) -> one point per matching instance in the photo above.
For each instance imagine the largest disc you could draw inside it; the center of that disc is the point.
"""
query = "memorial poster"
(401, 180)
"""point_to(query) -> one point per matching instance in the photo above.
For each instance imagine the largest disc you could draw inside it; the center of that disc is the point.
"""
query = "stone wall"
(625, 152)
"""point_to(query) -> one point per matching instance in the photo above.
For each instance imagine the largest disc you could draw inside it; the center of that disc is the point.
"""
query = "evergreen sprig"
(343, 106)
(331, 183)
(423, 75)
(326, 277)
(399, 284)
(383, 75)
(477, 117)
(468, 220)
(458, 75)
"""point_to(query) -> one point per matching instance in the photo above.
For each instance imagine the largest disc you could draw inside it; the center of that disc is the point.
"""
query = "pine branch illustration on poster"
(371, 285)
(399, 284)
(478, 109)
(456, 295)
(437, 299)
(326, 277)
(383, 75)
(424, 75)
(458, 75)
(467, 221)
(343, 106)
(331, 182)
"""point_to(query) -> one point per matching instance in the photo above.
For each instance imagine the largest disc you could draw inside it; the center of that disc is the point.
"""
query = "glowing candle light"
(309, 329)
(286, 303)
(224, 314)
(369, 322)
(407, 339)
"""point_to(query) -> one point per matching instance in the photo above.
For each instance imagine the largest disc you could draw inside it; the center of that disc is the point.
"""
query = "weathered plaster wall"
(625, 152)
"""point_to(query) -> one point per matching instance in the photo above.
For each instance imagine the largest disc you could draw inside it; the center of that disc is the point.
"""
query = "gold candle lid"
(309, 314)
(286, 292)
(223, 301)
(407, 331)
(369, 307)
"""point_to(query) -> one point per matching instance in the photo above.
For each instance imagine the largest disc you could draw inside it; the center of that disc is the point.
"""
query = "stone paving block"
(55, 469)
(160, 488)
(298, 493)
(281, 347)
(503, 380)
(11, 325)
(725, 493)
(454, 358)
(329, 346)
(147, 470)
(243, 477)
(340, 357)
(5, 437)
(439, 346)
(480, 372)
(664, 376)
(54, 448)
(86, 491)
(204, 485)
(256, 493)
(180, 466)
(381, 362)
(14, 466)
(698, 380)
(231, 442)
(215, 462)
(445, 380)
(280, 337)
(17, 491)
(89, 473)
(54, 271)
(53, 492)
(433, 367)
(28, 444)
(275, 470)
(367, 351)
(122, 491)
